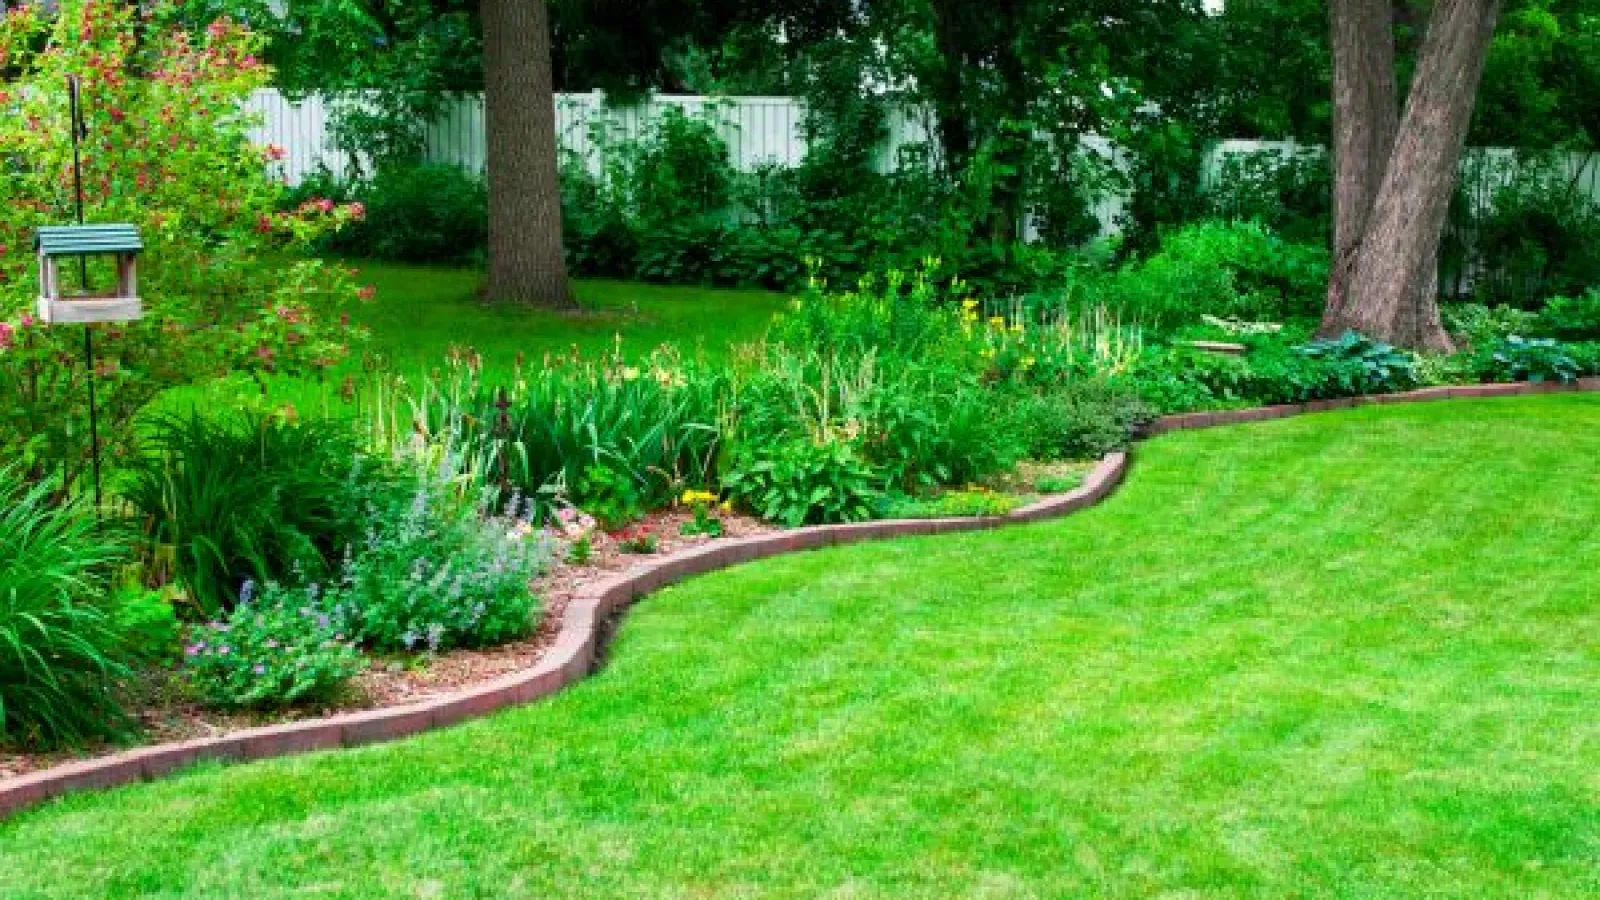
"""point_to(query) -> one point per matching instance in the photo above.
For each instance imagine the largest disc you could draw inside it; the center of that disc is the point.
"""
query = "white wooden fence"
(757, 130)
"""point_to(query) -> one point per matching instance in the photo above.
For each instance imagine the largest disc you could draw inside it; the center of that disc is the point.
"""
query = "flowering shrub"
(284, 646)
(166, 149)
(433, 576)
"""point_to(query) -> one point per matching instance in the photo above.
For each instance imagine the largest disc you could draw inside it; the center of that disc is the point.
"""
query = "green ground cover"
(1346, 655)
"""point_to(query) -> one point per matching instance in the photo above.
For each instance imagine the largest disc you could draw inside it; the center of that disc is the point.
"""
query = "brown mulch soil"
(165, 711)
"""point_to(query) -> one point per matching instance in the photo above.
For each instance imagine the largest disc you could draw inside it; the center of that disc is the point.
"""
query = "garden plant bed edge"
(568, 639)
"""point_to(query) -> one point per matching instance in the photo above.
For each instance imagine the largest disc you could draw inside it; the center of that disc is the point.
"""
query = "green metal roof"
(82, 240)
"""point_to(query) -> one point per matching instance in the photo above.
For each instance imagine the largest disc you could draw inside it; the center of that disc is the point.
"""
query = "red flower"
(367, 293)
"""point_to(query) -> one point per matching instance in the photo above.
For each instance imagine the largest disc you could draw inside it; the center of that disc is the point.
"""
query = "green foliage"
(1289, 192)
(608, 433)
(1058, 484)
(273, 650)
(1358, 365)
(426, 213)
(1478, 325)
(62, 645)
(1523, 228)
(801, 482)
(169, 151)
(433, 575)
(1570, 318)
(148, 623)
(1516, 358)
(1082, 420)
(240, 498)
(964, 502)
(1238, 270)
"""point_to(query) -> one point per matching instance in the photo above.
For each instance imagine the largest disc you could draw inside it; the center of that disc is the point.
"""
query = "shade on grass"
(1346, 655)
(420, 311)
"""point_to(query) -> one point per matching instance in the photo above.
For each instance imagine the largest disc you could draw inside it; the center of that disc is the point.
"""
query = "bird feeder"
(56, 304)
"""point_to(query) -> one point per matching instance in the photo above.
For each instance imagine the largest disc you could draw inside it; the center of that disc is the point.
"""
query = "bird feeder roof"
(86, 240)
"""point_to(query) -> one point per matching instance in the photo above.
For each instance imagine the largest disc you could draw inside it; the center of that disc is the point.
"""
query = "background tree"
(1392, 284)
(527, 262)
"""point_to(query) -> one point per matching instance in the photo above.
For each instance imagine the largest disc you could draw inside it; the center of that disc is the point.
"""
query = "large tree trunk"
(1392, 290)
(946, 84)
(1366, 114)
(526, 258)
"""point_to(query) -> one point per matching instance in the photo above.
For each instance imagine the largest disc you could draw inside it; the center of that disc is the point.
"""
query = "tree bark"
(1366, 115)
(1392, 288)
(527, 262)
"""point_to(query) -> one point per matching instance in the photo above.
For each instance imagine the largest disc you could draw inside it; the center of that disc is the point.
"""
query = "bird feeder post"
(121, 304)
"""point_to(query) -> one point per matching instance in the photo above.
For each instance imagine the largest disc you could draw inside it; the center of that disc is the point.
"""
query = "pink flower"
(7, 336)
(325, 205)
(275, 152)
(358, 211)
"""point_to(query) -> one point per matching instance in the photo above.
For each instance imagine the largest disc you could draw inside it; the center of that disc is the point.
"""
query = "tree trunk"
(527, 263)
(1366, 114)
(947, 86)
(1392, 290)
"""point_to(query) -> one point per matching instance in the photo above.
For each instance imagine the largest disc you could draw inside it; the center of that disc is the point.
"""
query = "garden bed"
(166, 710)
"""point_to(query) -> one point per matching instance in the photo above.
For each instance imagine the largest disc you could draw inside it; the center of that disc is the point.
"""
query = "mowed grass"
(1346, 655)
(421, 312)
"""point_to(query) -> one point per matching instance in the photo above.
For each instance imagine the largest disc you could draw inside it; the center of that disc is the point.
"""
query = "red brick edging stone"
(573, 654)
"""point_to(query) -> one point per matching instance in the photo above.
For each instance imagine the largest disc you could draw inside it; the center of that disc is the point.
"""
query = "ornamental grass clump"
(61, 644)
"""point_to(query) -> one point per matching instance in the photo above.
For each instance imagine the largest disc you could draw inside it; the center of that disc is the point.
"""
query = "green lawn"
(421, 311)
(1346, 655)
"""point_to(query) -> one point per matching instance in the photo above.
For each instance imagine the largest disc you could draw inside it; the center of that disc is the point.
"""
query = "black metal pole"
(78, 132)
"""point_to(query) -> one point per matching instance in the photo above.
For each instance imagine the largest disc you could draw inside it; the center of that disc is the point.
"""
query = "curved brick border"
(572, 655)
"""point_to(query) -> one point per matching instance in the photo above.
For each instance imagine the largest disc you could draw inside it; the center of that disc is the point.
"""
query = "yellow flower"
(969, 305)
(1028, 361)
(997, 322)
(987, 353)
(630, 373)
(695, 497)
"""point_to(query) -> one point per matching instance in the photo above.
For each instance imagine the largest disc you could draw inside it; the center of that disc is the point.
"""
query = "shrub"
(285, 646)
(242, 498)
(149, 625)
(800, 482)
(61, 644)
(1239, 270)
(1569, 318)
(436, 575)
(1526, 359)
(423, 213)
(1082, 420)
(1478, 325)
(170, 153)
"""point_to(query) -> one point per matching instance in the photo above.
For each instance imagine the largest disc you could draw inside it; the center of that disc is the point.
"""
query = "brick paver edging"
(572, 656)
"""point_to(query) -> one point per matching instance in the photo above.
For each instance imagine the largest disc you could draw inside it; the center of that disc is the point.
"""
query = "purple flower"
(260, 669)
